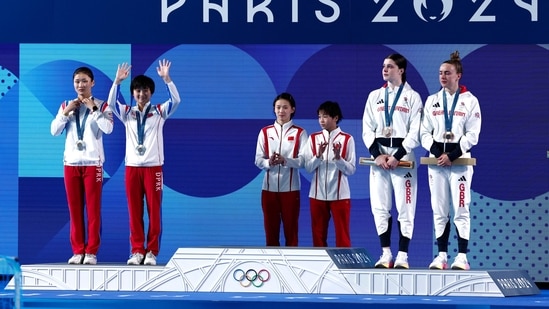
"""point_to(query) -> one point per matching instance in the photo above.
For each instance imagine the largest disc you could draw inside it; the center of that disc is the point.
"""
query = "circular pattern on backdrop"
(217, 121)
(51, 84)
(346, 74)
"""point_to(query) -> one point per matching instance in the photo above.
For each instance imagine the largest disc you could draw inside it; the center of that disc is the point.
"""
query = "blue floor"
(156, 300)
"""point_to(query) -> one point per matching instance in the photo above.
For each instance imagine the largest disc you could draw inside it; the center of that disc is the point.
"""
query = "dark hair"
(142, 82)
(455, 60)
(288, 97)
(83, 70)
(331, 108)
(401, 63)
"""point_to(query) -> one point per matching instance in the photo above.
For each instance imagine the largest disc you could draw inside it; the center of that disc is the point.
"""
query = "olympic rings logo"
(251, 277)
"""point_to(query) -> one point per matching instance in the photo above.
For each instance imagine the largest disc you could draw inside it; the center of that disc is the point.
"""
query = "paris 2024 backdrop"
(227, 80)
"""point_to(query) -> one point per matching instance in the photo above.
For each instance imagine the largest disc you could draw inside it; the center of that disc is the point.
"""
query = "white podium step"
(276, 270)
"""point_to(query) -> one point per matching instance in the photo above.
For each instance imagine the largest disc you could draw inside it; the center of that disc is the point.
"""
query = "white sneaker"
(439, 263)
(401, 261)
(136, 259)
(460, 263)
(76, 259)
(385, 261)
(150, 259)
(90, 259)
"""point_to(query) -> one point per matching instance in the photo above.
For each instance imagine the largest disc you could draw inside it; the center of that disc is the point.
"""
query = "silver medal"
(140, 149)
(80, 145)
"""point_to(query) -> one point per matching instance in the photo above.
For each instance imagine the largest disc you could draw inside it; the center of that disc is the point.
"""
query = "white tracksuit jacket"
(154, 137)
(289, 141)
(97, 123)
(329, 181)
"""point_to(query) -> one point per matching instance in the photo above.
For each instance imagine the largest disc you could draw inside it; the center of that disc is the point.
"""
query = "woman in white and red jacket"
(144, 123)
(279, 154)
(330, 155)
(84, 119)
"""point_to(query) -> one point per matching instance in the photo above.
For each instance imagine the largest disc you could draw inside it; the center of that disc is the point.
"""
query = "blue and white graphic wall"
(230, 59)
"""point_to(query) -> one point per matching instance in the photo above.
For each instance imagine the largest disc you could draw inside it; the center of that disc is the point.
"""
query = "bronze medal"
(387, 131)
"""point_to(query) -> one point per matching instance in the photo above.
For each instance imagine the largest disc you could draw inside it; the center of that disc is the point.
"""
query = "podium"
(276, 270)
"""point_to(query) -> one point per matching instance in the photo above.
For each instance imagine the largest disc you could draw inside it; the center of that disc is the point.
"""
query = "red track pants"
(144, 182)
(84, 185)
(280, 207)
(321, 212)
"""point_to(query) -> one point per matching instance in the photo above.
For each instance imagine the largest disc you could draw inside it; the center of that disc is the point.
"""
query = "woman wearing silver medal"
(144, 125)
(390, 131)
(450, 128)
(84, 119)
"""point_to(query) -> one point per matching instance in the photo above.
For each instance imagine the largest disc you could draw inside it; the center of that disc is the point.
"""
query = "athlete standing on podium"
(84, 119)
(450, 128)
(279, 152)
(144, 156)
(330, 156)
(390, 131)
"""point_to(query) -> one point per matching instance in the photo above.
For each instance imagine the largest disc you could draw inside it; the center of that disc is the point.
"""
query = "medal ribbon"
(141, 125)
(389, 115)
(448, 118)
(80, 128)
